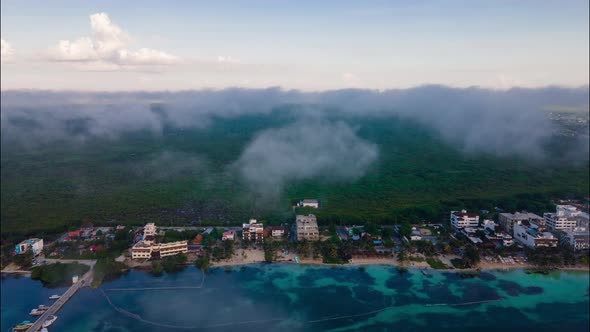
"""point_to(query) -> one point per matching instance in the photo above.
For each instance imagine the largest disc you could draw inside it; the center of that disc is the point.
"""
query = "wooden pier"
(65, 297)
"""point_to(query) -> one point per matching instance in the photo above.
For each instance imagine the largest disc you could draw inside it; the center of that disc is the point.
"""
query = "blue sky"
(308, 45)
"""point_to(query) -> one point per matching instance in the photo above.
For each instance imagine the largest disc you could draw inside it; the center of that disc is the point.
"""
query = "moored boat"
(43, 307)
(54, 297)
(36, 312)
(49, 321)
(23, 326)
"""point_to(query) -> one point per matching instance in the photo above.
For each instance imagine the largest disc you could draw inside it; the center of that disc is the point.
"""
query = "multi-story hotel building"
(462, 219)
(307, 228)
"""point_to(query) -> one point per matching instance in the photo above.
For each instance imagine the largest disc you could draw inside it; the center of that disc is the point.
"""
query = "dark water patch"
(399, 281)
(370, 297)
(514, 289)
(486, 276)
(475, 292)
(439, 293)
(341, 275)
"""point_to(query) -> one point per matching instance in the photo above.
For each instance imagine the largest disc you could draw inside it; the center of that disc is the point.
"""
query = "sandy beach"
(251, 256)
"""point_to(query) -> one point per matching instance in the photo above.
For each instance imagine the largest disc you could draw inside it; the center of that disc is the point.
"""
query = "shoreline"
(249, 256)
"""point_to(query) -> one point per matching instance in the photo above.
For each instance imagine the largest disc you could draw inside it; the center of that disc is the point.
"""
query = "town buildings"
(228, 236)
(277, 231)
(35, 245)
(309, 203)
(253, 231)
(533, 235)
(576, 239)
(507, 220)
(566, 217)
(147, 248)
(462, 219)
(307, 228)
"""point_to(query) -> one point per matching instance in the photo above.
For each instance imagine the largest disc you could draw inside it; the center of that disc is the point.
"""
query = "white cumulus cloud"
(107, 49)
(6, 51)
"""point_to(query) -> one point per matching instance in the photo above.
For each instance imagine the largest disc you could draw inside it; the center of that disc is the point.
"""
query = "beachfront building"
(576, 239)
(158, 250)
(507, 220)
(462, 219)
(253, 231)
(309, 203)
(277, 231)
(33, 245)
(228, 236)
(149, 233)
(307, 228)
(557, 221)
(147, 248)
(533, 235)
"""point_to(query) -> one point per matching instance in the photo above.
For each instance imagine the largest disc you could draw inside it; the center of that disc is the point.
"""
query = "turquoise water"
(304, 298)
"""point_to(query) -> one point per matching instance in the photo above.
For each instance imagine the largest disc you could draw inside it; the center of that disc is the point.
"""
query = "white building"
(309, 203)
(34, 245)
(507, 220)
(559, 221)
(147, 248)
(149, 233)
(158, 250)
(277, 231)
(462, 219)
(307, 228)
(577, 239)
(533, 235)
(415, 235)
(229, 235)
(253, 231)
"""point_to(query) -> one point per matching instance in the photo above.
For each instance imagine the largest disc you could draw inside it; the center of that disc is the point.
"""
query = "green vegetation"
(106, 269)
(174, 263)
(58, 274)
(157, 268)
(202, 263)
(436, 263)
(416, 177)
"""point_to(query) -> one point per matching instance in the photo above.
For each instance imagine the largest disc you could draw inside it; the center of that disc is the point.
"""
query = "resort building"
(152, 250)
(253, 231)
(576, 239)
(147, 248)
(309, 203)
(557, 221)
(228, 236)
(307, 228)
(507, 220)
(149, 233)
(533, 235)
(462, 219)
(277, 231)
(34, 245)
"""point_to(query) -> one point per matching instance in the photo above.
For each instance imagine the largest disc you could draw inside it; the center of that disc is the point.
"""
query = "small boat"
(44, 329)
(424, 272)
(43, 307)
(54, 297)
(49, 321)
(36, 312)
(23, 326)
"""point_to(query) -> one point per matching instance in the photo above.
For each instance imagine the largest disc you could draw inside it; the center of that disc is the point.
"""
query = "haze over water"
(303, 298)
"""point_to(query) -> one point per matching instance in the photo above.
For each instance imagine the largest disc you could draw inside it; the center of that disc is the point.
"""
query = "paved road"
(89, 262)
(86, 279)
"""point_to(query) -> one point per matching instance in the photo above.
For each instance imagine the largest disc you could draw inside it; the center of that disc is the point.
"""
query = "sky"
(305, 45)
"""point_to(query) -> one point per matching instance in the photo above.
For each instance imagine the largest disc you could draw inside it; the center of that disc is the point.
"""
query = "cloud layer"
(304, 150)
(107, 49)
(6, 51)
(505, 123)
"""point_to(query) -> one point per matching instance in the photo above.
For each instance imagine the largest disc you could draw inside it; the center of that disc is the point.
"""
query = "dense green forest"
(184, 176)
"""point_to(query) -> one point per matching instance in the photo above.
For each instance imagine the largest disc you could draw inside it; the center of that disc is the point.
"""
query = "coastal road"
(54, 308)
(89, 262)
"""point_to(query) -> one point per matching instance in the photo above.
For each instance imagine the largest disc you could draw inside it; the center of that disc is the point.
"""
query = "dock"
(55, 306)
